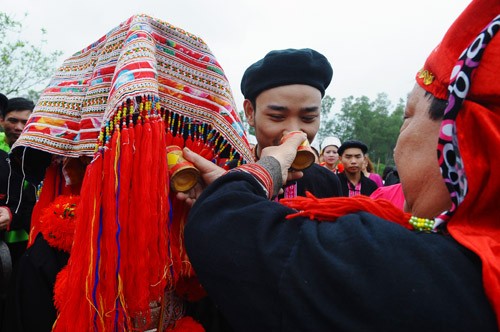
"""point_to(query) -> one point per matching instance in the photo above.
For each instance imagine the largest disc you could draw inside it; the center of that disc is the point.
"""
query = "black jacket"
(19, 190)
(367, 186)
(319, 181)
(359, 273)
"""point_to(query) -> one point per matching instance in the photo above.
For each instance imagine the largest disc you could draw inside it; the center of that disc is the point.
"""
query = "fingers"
(203, 165)
(295, 140)
(208, 170)
(189, 197)
(186, 198)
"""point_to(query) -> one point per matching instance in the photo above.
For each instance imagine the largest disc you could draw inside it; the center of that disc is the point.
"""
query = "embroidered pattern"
(141, 58)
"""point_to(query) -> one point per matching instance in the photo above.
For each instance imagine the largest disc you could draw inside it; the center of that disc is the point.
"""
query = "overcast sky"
(374, 46)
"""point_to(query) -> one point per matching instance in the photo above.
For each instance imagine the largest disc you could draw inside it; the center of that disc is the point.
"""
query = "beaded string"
(329, 209)
(421, 224)
(129, 113)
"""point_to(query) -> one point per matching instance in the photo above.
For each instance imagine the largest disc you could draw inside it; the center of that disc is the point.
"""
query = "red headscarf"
(470, 132)
(464, 69)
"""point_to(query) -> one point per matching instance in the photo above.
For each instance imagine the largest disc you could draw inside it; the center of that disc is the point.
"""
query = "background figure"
(391, 177)
(369, 172)
(330, 156)
(354, 182)
(13, 120)
(21, 195)
(5, 219)
(17, 195)
(387, 170)
(31, 306)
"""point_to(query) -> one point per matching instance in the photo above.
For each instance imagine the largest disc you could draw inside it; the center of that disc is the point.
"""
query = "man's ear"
(249, 112)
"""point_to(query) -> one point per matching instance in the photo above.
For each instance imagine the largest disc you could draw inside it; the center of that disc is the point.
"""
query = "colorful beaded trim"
(421, 224)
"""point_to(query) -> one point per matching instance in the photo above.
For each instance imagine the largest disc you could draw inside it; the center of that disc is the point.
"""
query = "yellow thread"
(117, 156)
(90, 274)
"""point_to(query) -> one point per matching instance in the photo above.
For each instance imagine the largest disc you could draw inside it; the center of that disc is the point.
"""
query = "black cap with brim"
(286, 67)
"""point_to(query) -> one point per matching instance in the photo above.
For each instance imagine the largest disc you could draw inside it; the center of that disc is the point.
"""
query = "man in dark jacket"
(354, 182)
(279, 101)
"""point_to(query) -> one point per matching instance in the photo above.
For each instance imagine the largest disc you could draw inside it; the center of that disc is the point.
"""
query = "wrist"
(273, 168)
(267, 172)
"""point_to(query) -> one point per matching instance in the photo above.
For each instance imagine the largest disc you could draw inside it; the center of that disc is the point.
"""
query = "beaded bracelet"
(421, 224)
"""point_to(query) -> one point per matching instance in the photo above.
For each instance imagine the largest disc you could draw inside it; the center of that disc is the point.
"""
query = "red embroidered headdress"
(141, 87)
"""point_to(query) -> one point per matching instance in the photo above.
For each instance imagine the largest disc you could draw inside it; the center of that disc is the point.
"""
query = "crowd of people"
(93, 237)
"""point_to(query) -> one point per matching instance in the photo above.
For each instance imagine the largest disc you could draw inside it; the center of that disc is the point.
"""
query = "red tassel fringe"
(128, 245)
(329, 209)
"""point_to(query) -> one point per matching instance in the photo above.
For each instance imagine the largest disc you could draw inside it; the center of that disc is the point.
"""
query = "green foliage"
(327, 125)
(244, 122)
(24, 66)
(375, 123)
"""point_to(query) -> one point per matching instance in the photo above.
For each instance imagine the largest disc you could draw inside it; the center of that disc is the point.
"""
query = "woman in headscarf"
(355, 264)
(117, 105)
(329, 154)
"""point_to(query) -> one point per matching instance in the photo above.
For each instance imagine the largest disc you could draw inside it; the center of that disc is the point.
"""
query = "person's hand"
(5, 217)
(209, 173)
(285, 154)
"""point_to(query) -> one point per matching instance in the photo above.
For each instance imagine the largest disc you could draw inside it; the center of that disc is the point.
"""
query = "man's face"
(13, 124)
(284, 109)
(352, 159)
(416, 159)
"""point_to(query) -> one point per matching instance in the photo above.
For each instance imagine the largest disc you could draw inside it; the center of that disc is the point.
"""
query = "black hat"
(3, 104)
(285, 67)
(352, 144)
(20, 104)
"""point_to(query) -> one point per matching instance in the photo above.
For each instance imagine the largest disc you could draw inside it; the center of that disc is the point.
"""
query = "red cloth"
(393, 193)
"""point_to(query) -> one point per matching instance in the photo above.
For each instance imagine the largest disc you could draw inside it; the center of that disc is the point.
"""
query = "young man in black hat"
(283, 93)
(353, 181)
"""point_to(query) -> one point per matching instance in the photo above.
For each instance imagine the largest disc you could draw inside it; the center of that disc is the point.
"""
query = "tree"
(373, 122)
(244, 122)
(376, 123)
(327, 124)
(24, 66)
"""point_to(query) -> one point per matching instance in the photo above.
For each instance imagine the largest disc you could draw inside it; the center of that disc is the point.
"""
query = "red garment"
(475, 223)
(392, 193)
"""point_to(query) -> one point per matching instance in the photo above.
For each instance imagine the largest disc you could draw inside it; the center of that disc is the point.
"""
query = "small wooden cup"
(183, 174)
(305, 155)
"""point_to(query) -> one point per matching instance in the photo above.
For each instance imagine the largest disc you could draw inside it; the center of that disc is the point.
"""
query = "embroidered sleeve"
(267, 171)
